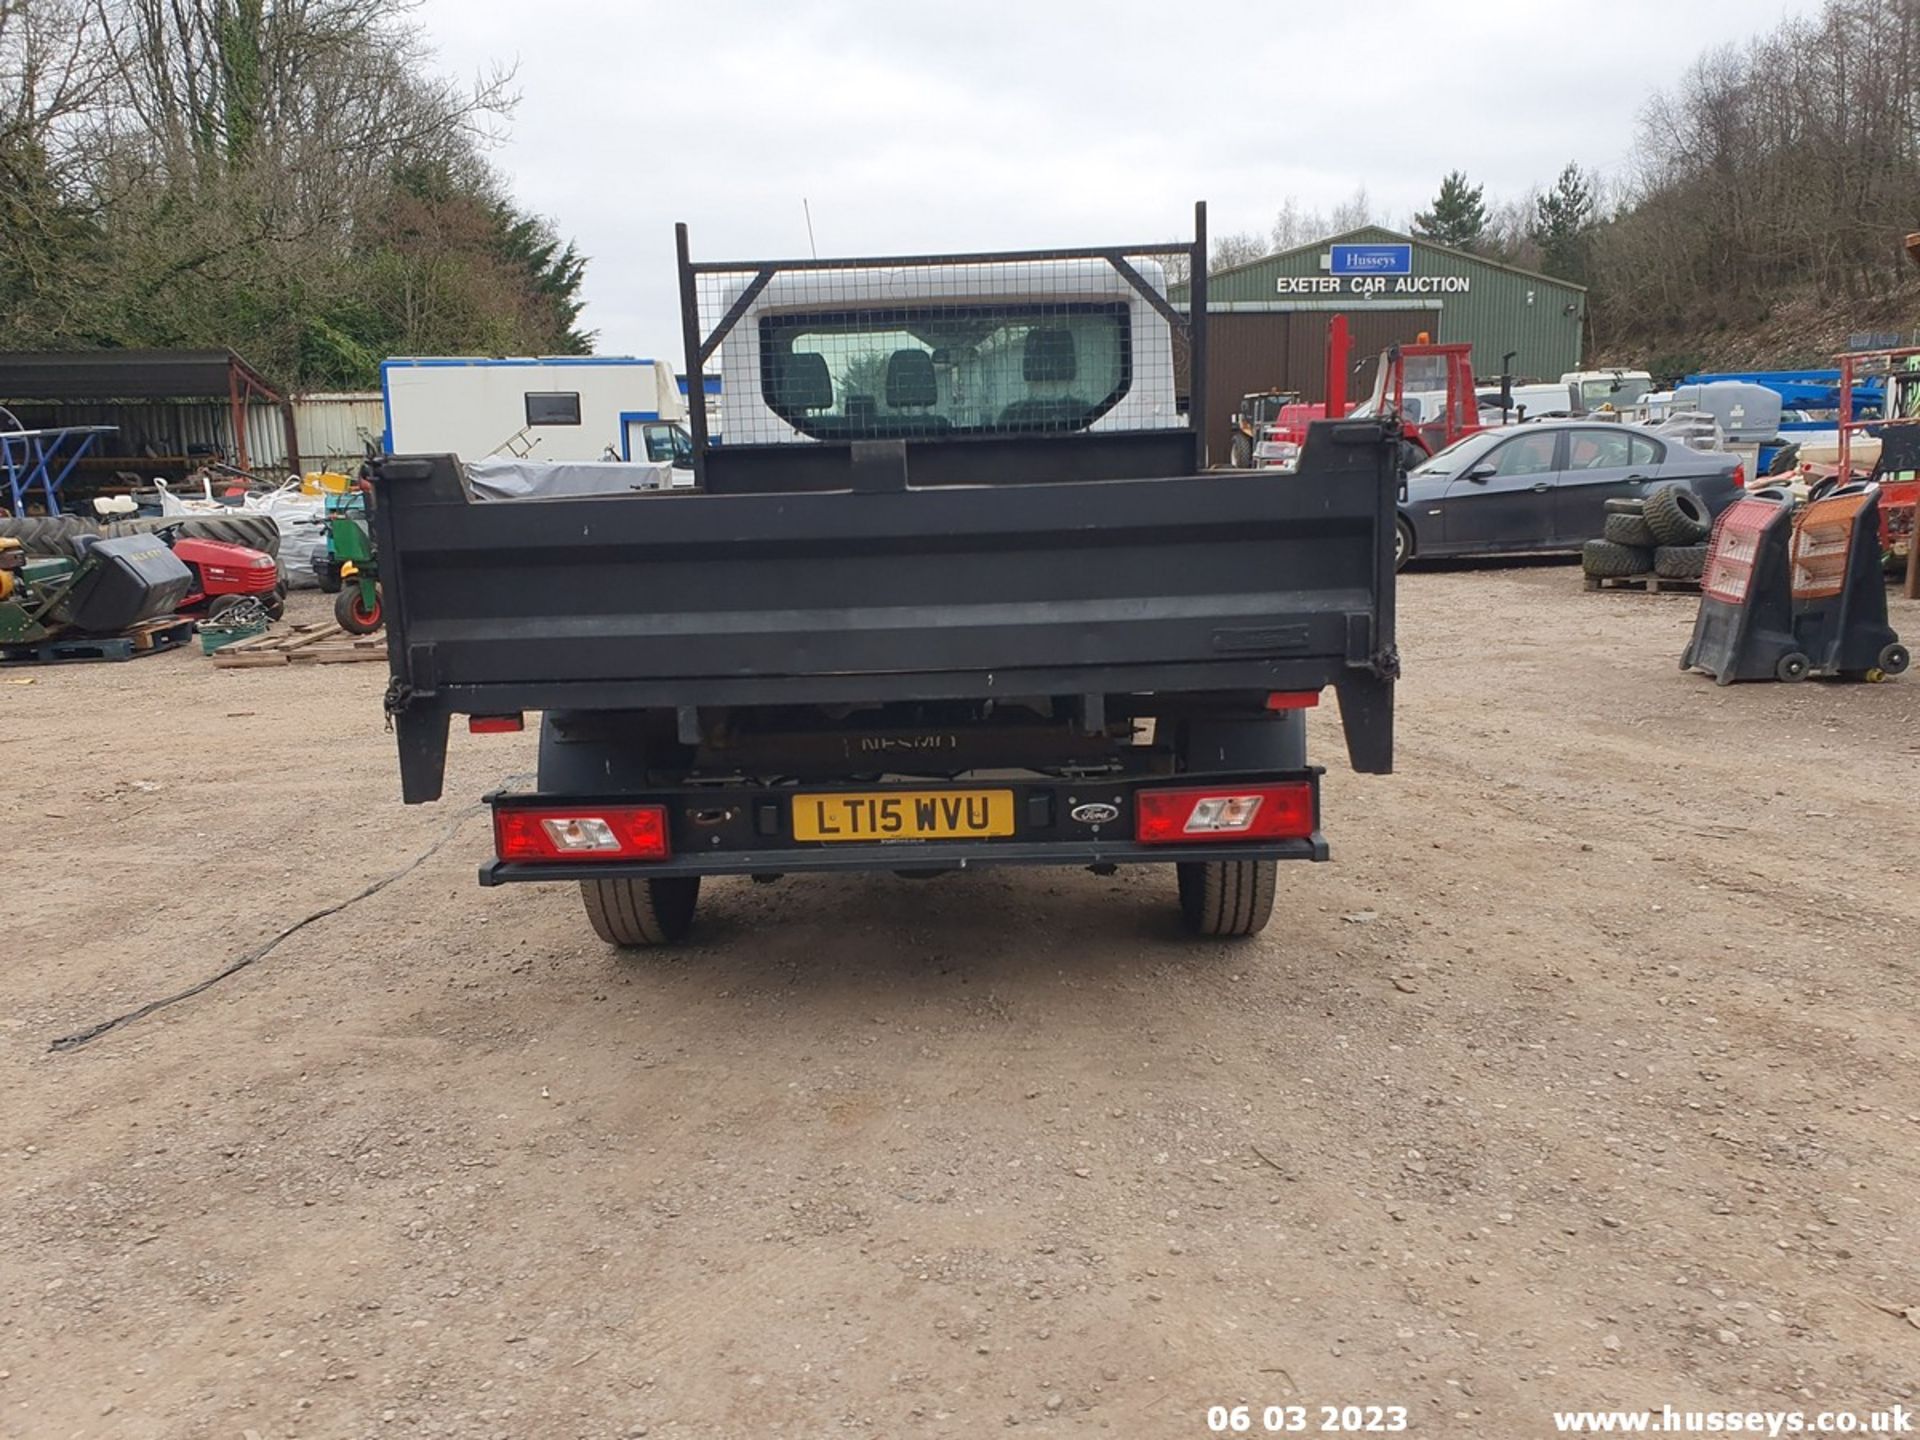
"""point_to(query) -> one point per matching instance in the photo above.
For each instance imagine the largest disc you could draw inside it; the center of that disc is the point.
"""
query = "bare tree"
(1236, 249)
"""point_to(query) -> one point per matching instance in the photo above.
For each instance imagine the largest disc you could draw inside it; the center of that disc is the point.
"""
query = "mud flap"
(422, 735)
(1366, 715)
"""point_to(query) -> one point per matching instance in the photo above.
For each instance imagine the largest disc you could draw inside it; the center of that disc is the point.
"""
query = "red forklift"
(1428, 386)
(1897, 467)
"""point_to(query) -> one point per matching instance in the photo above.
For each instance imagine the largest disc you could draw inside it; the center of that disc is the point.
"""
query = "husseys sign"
(1365, 270)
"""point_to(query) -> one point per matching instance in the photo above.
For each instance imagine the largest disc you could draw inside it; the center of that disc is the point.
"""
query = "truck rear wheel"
(1227, 897)
(631, 912)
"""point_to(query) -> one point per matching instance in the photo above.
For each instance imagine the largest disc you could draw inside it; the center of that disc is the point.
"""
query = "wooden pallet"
(149, 637)
(309, 644)
(1652, 584)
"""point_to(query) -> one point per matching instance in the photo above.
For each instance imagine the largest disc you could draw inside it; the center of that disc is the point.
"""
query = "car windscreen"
(925, 370)
(1459, 455)
(1617, 391)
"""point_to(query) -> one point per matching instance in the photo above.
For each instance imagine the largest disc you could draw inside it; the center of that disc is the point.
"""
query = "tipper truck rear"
(958, 589)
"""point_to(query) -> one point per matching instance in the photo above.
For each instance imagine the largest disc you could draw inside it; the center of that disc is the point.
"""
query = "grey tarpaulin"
(505, 478)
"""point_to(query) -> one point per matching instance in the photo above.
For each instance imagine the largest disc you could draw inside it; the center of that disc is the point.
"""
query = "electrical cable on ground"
(260, 952)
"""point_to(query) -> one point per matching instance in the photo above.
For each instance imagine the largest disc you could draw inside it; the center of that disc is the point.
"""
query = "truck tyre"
(1604, 558)
(1629, 530)
(1221, 898)
(1625, 505)
(1240, 453)
(632, 912)
(1677, 516)
(1680, 562)
(1402, 544)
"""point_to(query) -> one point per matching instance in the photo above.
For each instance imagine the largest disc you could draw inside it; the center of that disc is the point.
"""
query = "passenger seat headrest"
(801, 381)
(910, 382)
(1050, 356)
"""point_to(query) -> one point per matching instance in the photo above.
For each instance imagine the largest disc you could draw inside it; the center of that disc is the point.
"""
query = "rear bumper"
(955, 855)
(748, 831)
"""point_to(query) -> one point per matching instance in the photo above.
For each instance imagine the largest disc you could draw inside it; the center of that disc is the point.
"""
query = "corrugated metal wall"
(1504, 309)
(334, 428)
(154, 437)
(167, 437)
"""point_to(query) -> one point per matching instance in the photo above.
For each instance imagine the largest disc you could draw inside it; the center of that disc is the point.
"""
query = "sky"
(932, 128)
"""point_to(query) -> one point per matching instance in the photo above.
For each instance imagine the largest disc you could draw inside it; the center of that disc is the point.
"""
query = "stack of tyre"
(1665, 534)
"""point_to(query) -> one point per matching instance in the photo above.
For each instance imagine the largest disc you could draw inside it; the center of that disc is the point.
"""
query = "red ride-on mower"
(225, 574)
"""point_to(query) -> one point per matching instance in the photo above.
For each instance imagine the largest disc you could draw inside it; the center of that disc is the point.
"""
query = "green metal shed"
(1267, 318)
(1494, 307)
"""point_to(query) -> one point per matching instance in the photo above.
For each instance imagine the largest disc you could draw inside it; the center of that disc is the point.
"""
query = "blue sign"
(1372, 260)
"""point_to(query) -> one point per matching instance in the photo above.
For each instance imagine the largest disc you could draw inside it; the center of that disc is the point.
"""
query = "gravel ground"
(1585, 1076)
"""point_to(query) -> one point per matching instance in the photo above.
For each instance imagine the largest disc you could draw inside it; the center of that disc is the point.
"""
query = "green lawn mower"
(106, 587)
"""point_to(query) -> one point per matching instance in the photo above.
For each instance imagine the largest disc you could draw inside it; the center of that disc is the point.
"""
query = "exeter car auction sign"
(1365, 270)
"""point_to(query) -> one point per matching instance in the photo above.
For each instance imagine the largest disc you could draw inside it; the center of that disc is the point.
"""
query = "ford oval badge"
(1095, 812)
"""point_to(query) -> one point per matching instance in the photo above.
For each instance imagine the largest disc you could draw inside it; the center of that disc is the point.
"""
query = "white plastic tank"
(1744, 411)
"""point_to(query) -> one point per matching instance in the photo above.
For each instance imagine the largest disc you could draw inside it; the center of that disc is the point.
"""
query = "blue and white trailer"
(545, 407)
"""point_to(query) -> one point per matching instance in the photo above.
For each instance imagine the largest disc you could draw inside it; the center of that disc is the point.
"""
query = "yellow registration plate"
(904, 815)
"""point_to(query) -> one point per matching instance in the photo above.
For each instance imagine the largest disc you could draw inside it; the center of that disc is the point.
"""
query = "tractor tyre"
(1680, 562)
(1604, 559)
(634, 912)
(256, 532)
(276, 603)
(353, 615)
(1677, 516)
(48, 534)
(1225, 898)
(1625, 505)
(1630, 530)
(1240, 453)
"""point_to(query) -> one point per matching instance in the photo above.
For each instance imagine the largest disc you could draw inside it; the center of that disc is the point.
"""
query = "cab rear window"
(1020, 367)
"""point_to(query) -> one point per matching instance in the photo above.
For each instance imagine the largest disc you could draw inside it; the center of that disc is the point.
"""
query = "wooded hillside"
(1769, 196)
(290, 179)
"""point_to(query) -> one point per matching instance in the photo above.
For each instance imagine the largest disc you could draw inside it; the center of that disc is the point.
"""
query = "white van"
(1615, 389)
(1528, 402)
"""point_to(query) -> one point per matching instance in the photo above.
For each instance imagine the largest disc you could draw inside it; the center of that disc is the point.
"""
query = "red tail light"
(1293, 699)
(1237, 812)
(1740, 475)
(495, 724)
(606, 832)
